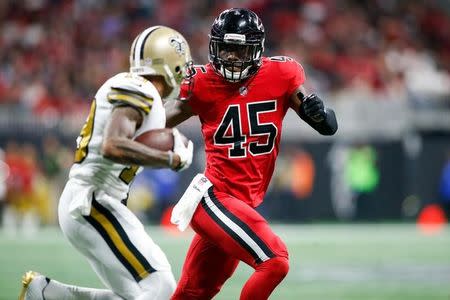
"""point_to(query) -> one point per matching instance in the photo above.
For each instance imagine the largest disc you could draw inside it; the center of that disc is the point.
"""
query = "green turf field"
(328, 262)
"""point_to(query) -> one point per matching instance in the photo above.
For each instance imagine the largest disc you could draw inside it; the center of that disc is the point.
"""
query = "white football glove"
(185, 152)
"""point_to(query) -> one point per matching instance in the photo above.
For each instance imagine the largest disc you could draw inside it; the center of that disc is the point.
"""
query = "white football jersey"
(90, 166)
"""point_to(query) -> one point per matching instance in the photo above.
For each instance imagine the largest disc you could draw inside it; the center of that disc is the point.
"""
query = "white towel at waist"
(184, 210)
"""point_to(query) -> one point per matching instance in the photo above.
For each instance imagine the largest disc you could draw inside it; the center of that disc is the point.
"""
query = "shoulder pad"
(133, 90)
(287, 66)
(281, 58)
(134, 84)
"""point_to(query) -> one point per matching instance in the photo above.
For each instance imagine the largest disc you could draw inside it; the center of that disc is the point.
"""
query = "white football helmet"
(160, 50)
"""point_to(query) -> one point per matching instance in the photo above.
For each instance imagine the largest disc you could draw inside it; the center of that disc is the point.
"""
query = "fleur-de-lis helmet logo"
(178, 44)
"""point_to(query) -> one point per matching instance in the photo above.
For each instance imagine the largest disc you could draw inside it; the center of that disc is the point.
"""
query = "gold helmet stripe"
(138, 50)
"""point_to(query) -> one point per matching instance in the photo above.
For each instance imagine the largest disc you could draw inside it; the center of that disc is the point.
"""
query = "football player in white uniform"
(92, 209)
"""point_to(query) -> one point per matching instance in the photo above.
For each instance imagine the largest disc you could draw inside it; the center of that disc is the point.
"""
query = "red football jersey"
(242, 124)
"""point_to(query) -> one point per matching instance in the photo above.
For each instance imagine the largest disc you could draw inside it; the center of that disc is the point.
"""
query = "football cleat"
(33, 285)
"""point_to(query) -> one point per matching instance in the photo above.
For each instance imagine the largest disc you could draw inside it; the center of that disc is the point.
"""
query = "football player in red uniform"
(241, 99)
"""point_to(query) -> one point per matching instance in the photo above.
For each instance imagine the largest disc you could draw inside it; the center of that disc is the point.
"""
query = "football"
(161, 139)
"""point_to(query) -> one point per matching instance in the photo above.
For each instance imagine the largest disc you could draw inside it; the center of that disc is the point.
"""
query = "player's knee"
(277, 266)
(169, 284)
(283, 266)
(159, 283)
(200, 292)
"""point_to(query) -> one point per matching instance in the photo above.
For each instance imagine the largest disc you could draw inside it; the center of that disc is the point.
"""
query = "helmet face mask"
(235, 52)
(236, 44)
(161, 51)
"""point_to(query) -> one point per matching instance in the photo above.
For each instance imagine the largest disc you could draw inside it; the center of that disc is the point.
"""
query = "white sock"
(60, 291)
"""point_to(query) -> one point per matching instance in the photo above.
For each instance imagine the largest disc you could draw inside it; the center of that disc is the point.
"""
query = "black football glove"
(312, 107)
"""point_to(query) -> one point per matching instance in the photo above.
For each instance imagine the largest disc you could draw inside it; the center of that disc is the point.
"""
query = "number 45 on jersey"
(229, 133)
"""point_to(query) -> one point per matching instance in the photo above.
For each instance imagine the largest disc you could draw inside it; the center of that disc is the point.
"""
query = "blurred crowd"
(54, 54)
(31, 181)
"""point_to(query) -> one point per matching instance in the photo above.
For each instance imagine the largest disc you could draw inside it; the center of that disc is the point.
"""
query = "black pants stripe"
(242, 240)
(115, 236)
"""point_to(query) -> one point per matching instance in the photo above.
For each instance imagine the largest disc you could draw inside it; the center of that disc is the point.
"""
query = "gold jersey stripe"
(135, 100)
(136, 94)
(119, 243)
(122, 98)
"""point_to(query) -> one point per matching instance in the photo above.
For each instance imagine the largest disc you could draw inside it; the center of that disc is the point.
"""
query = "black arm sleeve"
(328, 126)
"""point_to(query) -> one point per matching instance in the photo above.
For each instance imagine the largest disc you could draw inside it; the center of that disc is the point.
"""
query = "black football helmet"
(236, 44)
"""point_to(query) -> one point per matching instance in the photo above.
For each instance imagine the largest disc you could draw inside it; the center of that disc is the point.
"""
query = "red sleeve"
(185, 90)
(295, 76)
(187, 95)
